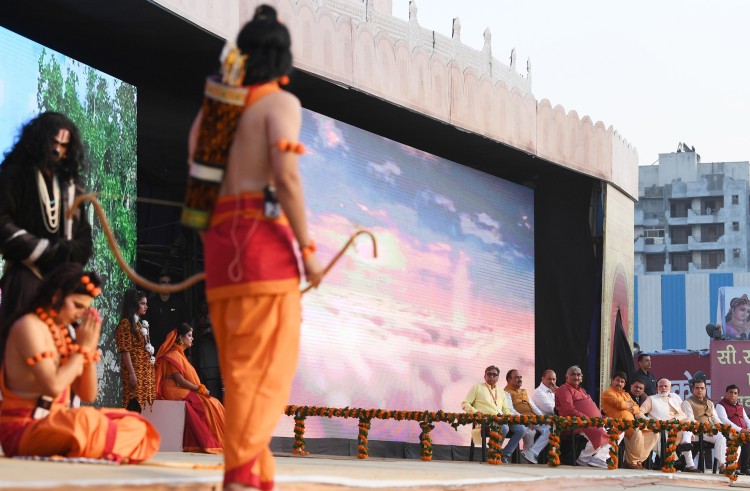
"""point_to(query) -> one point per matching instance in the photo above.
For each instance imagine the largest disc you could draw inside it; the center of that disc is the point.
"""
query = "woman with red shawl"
(177, 380)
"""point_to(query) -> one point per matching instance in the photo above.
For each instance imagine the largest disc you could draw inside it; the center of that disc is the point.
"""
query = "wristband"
(309, 249)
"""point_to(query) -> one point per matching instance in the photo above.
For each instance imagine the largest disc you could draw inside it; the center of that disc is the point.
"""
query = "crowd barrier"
(558, 425)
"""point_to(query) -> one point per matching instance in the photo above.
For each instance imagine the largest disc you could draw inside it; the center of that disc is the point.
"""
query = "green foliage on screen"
(104, 109)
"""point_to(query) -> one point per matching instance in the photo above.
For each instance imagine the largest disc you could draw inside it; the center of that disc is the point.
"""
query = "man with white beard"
(666, 405)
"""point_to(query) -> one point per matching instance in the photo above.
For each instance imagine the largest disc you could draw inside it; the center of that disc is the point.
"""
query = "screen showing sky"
(451, 291)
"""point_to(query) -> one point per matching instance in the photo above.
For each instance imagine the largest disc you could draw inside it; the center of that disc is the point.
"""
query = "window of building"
(653, 235)
(712, 232)
(654, 262)
(679, 208)
(680, 261)
(736, 253)
(736, 226)
(711, 206)
(679, 235)
(711, 259)
(735, 199)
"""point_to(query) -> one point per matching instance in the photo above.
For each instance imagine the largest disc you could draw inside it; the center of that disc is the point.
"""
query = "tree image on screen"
(104, 109)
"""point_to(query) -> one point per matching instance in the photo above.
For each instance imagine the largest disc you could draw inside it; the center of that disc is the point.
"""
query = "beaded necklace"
(50, 207)
(60, 334)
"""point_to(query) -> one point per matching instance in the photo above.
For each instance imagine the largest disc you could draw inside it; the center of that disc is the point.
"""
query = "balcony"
(644, 219)
(695, 245)
(650, 245)
(722, 267)
(682, 247)
(717, 216)
(676, 220)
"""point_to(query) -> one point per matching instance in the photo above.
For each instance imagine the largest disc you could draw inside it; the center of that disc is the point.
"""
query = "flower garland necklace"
(63, 341)
(60, 335)
(146, 338)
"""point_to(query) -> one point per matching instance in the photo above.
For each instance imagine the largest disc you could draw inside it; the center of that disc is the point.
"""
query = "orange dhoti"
(112, 434)
(256, 323)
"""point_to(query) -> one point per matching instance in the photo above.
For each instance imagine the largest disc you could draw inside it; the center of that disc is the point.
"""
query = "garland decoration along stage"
(671, 451)
(425, 441)
(364, 430)
(614, 447)
(559, 424)
(196, 278)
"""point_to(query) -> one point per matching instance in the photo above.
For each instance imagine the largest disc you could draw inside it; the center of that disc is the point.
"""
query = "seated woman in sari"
(177, 380)
(40, 364)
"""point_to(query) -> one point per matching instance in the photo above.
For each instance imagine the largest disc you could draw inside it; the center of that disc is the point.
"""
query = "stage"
(200, 472)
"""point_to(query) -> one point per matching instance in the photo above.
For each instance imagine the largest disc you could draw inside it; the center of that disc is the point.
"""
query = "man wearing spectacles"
(487, 398)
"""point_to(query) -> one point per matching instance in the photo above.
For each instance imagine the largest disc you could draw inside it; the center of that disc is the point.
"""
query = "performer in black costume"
(39, 179)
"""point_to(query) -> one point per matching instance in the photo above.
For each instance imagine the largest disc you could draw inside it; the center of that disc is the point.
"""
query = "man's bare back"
(274, 117)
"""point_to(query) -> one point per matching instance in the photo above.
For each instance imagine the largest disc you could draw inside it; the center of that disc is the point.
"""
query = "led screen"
(35, 79)
(452, 289)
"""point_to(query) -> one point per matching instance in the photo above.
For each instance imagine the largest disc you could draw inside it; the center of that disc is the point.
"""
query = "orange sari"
(204, 415)
(113, 434)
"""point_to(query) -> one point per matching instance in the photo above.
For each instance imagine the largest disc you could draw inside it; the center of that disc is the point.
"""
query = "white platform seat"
(169, 419)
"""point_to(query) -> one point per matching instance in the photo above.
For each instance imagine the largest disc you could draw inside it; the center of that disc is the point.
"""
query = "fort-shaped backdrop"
(358, 43)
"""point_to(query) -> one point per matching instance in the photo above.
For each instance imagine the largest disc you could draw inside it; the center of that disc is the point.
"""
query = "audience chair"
(484, 444)
(701, 464)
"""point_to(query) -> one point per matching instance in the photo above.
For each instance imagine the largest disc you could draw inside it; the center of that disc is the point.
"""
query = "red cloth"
(575, 401)
(247, 253)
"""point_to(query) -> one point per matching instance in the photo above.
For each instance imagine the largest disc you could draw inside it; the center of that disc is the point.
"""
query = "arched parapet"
(624, 158)
(354, 42)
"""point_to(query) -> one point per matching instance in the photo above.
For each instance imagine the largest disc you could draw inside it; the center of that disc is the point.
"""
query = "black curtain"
(622, 355)
(567, 283)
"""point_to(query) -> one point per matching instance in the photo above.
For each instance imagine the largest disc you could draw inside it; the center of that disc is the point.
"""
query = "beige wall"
(361, 45)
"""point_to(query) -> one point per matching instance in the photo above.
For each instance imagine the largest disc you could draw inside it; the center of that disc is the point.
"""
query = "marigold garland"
(614, 448)
(495, 444)
(425, 441)
(553, 460)
(670, 452)
(558, 424)
(731, 458)
(298, 448)
(364, 430)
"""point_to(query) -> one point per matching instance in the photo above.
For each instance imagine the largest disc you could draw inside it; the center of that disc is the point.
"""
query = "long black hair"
(66, 279)
(35, 145)
(267, 44)
(129, 306)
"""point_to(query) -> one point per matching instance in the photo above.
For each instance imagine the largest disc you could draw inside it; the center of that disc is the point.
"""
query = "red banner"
(730, 364)
(679, 367)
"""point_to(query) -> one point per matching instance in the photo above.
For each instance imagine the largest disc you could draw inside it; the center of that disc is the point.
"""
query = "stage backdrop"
(451, 292)
(35, 79)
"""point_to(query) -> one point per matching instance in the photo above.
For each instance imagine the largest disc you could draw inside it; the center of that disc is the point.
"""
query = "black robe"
(28, 247)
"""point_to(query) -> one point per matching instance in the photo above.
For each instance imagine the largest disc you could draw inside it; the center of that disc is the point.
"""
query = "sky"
(659, 72)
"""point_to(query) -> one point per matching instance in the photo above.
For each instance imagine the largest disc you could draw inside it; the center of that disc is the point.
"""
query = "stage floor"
(200, 472)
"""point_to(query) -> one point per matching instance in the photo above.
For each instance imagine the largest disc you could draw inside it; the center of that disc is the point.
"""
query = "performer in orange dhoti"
(177, 380)
(40, 366)
(252, 274)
